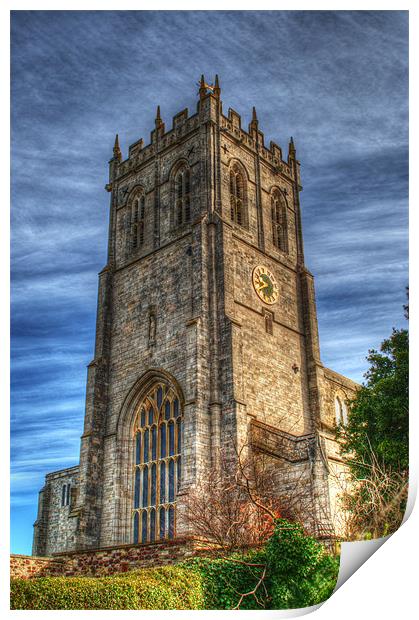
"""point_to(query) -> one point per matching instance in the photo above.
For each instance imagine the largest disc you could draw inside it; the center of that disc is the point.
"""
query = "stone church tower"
(206, 336)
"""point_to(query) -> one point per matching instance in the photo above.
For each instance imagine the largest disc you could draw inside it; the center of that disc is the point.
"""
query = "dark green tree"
(375, 442)
(378, 423)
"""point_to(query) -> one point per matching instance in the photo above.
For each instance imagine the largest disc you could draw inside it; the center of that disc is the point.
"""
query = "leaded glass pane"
(153, 484)
(144, 526)
(146, 438)
(150, 416)
(152, 525)
(162, 523)
(167, 410)
(143, 418)
(162, 483)
(145, 487)
(136, 523)
(176, 407)
(162, 441)
(137, 488)
(178, 472)
(171, 522)
(171, 438)
(171, 480)
(138, 449)
(179, 436)
(153, 443)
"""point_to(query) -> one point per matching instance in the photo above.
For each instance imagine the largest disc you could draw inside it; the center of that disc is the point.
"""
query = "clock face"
(265, 284)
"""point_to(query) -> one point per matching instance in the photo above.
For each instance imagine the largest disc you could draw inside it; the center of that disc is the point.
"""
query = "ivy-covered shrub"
(225, 579)
(168, 587)
(300, 571)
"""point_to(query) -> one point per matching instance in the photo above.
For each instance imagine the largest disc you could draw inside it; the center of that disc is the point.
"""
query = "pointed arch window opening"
(279, 222)
(183, 196)
(237, 197)
(157, 476)
(137, 222)
(341, 412)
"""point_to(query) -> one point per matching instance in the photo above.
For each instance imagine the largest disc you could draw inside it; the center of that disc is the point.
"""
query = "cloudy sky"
(336, 81)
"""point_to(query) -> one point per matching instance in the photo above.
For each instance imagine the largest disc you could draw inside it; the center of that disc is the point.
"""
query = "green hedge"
(168, 587)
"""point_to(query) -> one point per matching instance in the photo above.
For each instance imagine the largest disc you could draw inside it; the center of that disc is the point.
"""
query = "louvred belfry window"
(279, 222)
(158, 437)
(237, 196)
(183, 196)
(137, 222)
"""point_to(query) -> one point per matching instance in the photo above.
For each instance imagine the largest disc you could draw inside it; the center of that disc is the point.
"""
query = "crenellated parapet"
(253, 140)
(138, 154)
(209, 110)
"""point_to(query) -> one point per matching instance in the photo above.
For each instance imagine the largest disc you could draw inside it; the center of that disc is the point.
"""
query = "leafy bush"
(300, 571)
(169, 587)
(224, 579)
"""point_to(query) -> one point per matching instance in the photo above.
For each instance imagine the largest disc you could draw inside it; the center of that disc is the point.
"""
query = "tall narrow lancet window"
(341, 412)
(237, 196)
(137, 222)
(279, 221)
(157, 428)
(183, 196)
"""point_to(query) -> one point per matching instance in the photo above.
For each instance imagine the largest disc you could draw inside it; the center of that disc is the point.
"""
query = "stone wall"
(105, 561)
(335, 386)
(27, 566)
(55, 528)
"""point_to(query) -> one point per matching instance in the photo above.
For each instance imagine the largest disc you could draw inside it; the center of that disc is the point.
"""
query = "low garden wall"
(105, 561)
(26, 566)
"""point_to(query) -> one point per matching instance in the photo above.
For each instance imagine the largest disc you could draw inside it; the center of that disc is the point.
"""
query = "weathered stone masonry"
(105, 561)
(192, 215)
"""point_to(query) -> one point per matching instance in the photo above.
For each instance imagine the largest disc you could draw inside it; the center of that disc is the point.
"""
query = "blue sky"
(336, 81)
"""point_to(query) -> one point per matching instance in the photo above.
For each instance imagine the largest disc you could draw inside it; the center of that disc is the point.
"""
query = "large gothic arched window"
(157, 428)
(183, 195)
(279, 221)
(237, 196)
(137, 222)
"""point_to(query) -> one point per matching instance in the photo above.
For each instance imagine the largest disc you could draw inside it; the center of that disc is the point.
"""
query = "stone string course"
(106, 561)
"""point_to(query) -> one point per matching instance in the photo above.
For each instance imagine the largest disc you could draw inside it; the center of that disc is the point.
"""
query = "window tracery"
(158, 437)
